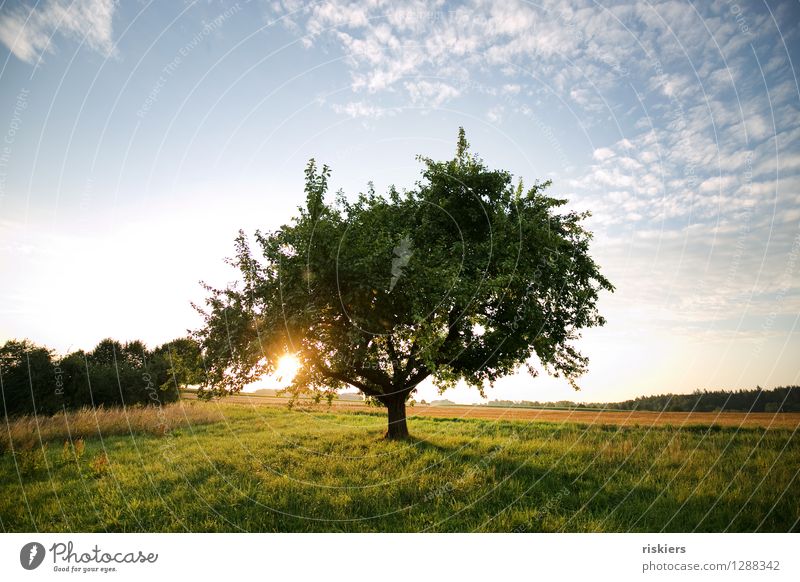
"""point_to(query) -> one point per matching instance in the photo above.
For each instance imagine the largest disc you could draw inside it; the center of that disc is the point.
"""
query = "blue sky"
(137, 137)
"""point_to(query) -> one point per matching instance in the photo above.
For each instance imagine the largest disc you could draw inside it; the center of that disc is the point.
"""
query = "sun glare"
(288, 365)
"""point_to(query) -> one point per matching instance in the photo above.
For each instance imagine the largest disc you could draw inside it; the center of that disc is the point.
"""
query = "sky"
(137, 137)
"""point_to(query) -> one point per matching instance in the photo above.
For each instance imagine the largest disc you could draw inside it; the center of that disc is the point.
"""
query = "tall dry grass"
(26, 432)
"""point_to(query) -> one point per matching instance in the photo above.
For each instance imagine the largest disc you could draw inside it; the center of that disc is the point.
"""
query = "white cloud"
(361, 109)
(28, 33)
(388, 42)
(602, 154)
(717, 183)
(495, 114)
(430, 93)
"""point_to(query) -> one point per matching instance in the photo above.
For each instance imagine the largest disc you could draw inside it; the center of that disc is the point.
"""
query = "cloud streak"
(29, 32)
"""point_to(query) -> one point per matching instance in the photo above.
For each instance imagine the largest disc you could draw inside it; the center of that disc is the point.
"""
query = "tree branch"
(421, 374)
(365, 388)
(374, 376)
(394, 359)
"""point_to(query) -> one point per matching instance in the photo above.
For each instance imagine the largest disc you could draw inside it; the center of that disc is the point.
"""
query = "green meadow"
(219, 467)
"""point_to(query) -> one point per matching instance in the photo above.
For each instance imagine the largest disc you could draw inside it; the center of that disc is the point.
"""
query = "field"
(584, 416)
(230, 466)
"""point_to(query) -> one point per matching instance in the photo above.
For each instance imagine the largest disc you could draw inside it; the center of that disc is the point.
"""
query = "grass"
(232, 467)
(28, 432)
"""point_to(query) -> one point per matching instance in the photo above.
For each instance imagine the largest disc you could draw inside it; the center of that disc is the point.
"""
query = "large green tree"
(464, 277)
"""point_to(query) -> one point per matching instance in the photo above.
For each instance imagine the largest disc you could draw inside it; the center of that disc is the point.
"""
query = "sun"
(288, 365)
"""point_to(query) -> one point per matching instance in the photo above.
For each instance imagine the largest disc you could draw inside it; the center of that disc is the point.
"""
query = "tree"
(184, 364)
(466, 277)
(29, 380)
(116, 374)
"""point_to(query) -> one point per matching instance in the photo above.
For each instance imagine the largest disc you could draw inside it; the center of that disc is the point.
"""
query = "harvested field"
(784, 420)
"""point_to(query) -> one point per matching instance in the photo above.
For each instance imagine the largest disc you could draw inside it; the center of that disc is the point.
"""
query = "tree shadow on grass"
(493, 478)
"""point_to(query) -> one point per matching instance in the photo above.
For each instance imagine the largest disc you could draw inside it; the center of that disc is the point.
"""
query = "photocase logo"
(402, 254)
(31, 555)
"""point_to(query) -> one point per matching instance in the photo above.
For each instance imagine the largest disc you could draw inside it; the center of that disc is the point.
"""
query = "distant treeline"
(34, 380)
(783, 399)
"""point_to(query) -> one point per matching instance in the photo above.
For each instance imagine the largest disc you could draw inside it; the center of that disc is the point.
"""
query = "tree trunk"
(398, 429)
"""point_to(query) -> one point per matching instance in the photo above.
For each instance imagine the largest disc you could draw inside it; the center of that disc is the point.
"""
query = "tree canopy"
(465, 277)
(33, 380)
